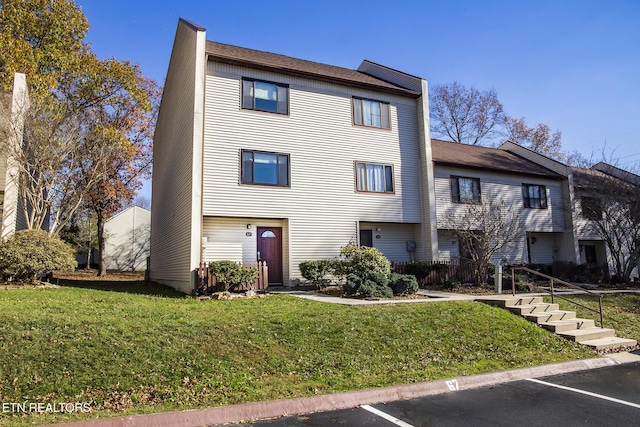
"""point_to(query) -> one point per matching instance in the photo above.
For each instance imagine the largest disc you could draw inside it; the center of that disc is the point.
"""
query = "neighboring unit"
(128, 234)
(259, 156)
(529, 186)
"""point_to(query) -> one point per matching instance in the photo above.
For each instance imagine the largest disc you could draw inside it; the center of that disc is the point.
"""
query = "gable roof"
(594, 179)
(236, 55)
(487, 159)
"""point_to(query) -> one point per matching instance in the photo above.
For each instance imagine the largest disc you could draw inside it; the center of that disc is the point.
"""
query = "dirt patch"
(92, 275)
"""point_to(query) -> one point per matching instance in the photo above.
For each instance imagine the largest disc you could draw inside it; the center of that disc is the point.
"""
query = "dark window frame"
(248, 101)
(534, 202)
(247, 177)
(455, 190)
(389, 186)
(357, 113)
(591, 208)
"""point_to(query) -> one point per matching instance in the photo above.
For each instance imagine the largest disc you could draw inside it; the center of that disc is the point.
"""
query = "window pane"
(371, 113)
(283, 105)
(265, 168)
(375, 178)
(247, 94)
(388, 178)
(283, 170)
(384, 116)
(266, 96)
(361, 178)
(247, 167)
(357, 111)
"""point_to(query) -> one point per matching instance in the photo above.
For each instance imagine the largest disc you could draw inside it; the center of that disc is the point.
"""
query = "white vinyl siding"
(321, 203)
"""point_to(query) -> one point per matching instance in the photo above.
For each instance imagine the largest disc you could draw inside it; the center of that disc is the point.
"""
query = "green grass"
(136, 352)
(620, 312)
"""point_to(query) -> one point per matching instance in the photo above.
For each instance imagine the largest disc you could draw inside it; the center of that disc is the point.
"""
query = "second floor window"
(373, 177)
(265, 168)
(367, 112)
(591, 208)
(265, 96)
(465, 190)
(534, 196)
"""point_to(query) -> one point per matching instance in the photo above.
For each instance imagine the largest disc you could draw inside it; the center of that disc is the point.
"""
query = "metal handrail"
(552, 292)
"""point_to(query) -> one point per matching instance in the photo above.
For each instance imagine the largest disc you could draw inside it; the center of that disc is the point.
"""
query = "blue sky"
(573, 65)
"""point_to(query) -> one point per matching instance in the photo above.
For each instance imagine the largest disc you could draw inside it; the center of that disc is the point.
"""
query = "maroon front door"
(270, 250)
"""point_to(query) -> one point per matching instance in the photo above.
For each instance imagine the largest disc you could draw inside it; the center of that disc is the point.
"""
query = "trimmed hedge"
(229, 275)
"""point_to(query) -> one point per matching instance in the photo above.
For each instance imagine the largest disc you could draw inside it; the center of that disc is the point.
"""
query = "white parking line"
(588, 393)
(386, 416)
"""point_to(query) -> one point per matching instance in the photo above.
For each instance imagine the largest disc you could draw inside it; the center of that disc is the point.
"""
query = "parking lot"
(607, 396)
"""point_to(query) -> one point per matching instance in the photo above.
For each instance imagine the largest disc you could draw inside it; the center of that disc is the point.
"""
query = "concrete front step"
(533, 308)
(587, 334)
(609, 343)
(549, 316)
(568, 325)
(510, 301)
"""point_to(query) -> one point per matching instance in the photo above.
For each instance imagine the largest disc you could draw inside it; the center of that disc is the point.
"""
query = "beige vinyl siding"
(321, 204)
(392, 240)
(227, 239)
(177, 164)
(508, 188)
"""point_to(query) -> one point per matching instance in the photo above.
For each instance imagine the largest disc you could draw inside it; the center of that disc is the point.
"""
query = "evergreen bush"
(230, 275)
(403, 284)
(28, 254)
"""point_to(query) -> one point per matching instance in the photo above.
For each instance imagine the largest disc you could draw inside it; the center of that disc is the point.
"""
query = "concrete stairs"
(560, 322)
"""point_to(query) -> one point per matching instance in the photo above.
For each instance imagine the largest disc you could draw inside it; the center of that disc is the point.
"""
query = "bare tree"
(486, 231)
(610, 202)
(465, 115)
(538, 139)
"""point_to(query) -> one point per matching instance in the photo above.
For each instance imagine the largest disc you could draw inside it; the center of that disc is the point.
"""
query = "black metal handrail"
(551, 290)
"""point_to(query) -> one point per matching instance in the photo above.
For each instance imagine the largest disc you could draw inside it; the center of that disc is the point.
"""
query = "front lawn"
(152, 350)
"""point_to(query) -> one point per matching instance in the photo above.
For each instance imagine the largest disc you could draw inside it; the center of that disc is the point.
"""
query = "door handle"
(259, 257)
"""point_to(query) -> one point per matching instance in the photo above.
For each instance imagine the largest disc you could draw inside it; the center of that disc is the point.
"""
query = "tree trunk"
(102, 266)
(88, 258)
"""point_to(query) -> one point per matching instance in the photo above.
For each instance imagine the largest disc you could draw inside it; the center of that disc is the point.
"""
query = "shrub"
(362, 261)
(28, 254)
(403, 284)
(317, 272)
(419, 269)
(372, 285)
(229, 275)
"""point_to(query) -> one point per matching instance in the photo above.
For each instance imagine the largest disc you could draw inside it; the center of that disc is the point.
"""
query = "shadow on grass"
(116, 283)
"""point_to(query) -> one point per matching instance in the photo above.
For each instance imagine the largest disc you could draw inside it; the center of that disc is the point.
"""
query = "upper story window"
(465, 189)
(591, 208)
(373, 177)
(265, 96)
(265, 168)
(535, 196)
(367, 112)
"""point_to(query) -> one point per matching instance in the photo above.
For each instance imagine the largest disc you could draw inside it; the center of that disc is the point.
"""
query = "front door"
(590, 254)
(270, 251)
(366, 238)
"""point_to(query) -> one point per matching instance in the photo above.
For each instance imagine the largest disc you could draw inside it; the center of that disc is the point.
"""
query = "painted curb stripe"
(588, 393)
(386, 416)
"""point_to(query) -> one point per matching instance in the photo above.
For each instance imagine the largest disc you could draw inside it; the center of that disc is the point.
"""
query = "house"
(260, 156)
(535, 189)
(606, 218)
(128, 234)
(12, 109)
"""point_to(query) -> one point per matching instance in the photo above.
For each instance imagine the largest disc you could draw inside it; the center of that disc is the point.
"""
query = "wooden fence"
(208, 285)
(461, 270)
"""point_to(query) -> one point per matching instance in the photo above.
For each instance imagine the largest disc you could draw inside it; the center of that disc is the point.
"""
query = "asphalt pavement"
(607, 396)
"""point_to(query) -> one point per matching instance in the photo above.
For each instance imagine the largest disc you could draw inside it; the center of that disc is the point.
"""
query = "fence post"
(498, 278)
(551, 291)
(513, 282)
